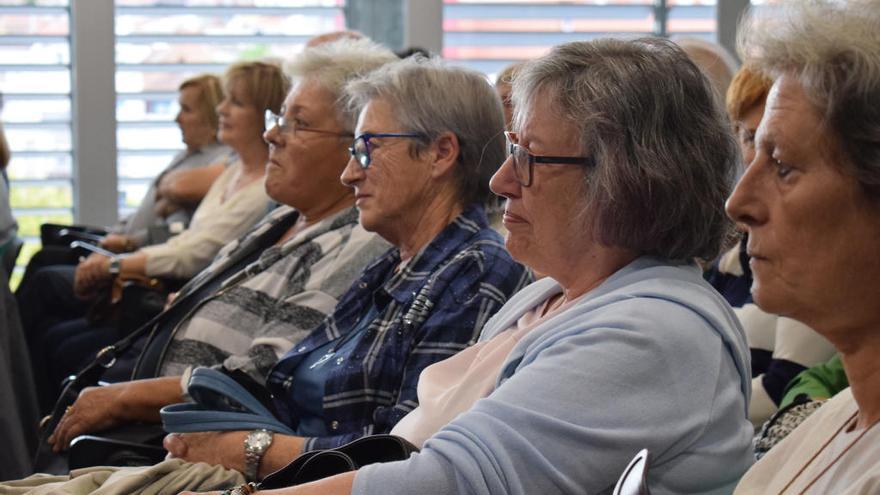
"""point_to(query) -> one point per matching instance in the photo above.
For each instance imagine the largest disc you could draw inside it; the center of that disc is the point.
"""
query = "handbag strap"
(221, 404)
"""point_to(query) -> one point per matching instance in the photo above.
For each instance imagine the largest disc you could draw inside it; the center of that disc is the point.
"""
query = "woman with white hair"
(810, 202)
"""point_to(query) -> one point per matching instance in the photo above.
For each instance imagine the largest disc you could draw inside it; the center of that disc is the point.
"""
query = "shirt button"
(362, 285)
(339, 360)
(334, 425)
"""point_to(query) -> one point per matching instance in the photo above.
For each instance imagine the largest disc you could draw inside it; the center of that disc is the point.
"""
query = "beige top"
(856, 472)
(214, 224)
(450, 387)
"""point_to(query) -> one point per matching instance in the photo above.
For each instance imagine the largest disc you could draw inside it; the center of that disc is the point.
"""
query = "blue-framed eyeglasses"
(360, 148)
(286, 126)
(524, 161)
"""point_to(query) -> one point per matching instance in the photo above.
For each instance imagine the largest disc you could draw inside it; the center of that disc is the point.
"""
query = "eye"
(782, 170)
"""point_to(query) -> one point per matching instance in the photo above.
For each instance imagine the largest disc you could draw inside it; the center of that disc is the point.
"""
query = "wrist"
(255, 446)
(113, 265)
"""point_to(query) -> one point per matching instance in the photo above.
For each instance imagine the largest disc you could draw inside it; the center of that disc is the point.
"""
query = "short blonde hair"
(210, 95)
(748, 89)
(263, 82)
(508, 73)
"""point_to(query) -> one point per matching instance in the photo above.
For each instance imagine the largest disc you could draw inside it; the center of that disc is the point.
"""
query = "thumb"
(175, 445)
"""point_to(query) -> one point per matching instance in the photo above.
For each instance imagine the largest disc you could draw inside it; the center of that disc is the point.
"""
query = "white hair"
(335, 63)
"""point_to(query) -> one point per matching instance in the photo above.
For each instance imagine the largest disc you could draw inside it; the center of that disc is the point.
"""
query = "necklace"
(833, 461)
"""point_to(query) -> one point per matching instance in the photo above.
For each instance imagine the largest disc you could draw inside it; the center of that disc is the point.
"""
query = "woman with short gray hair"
(623, 346)
(413, 87)
(810, 201)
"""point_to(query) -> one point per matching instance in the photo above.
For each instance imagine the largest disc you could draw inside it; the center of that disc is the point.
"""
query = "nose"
(177, 117)
(352, 173)
(272, 135)
(747, 205)
(221, 107)
(503, 182)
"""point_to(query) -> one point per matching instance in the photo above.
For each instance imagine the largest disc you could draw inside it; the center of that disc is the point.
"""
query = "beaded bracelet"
(245, 489)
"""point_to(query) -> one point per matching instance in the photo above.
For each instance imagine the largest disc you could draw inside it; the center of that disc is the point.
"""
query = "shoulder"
(664, 307)
(482, 266)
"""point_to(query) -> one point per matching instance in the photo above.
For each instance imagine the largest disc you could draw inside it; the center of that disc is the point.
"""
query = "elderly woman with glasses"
(419, 174)
(615, 183)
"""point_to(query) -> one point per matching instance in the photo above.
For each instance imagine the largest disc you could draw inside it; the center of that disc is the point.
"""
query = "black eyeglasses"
(360, 148)
(285, 126)
(524, 161)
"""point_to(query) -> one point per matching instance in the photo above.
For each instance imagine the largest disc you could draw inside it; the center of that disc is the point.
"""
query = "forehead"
(543, 126)
(376, 116)
(789, 115)
(189, 94)
(308, 95)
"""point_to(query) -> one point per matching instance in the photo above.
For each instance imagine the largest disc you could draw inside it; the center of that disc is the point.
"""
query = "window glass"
(36, 114)
(489, 35)
(160, 43)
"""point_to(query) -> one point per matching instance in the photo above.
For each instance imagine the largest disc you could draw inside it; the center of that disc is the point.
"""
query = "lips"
(512, 218)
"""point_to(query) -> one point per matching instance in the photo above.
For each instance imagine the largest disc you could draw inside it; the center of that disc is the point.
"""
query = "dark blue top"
(431, 308)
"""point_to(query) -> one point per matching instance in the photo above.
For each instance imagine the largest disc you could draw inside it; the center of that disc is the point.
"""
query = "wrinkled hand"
(91, 274)
(224, 448)
(118, 243)
(96, 408)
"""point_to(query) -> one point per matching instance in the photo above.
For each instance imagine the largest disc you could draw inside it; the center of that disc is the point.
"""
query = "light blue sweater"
(653, 357)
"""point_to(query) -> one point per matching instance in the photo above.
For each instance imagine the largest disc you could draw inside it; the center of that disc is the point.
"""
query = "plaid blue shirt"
(432, 308)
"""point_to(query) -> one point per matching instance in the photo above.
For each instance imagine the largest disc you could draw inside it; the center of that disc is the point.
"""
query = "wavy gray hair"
(335, 63)
(664, 151)
(430, 97)
(833, 49)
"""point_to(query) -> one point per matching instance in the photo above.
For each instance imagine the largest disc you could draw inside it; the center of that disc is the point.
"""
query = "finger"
(175, 445)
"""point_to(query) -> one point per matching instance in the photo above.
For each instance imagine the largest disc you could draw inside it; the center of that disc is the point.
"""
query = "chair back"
(634, 480)
(11, 254)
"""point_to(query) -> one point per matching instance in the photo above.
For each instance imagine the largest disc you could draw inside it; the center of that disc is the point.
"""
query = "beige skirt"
(169, 477)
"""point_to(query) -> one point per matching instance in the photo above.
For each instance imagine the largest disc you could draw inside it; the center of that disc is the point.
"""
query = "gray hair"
(833, 50)
(665, 156)
(333, 64)
(430, 97)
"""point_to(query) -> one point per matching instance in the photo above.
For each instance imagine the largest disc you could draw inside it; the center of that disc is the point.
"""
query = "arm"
(214, 225)
(185, 188)
(227, 449)
(100, 408)
(536, 434)
(94, 272)
(341, 484)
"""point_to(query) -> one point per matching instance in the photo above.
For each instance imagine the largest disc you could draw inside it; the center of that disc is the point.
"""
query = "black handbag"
(319, 464)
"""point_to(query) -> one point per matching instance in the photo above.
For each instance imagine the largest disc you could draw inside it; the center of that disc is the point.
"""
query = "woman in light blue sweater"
(615, 184)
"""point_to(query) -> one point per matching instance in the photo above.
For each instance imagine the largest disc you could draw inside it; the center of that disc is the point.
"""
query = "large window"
(159, 43)
(488, 35)
(35, 81)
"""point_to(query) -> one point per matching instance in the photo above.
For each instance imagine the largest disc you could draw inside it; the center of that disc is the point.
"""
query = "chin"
(769, 300)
